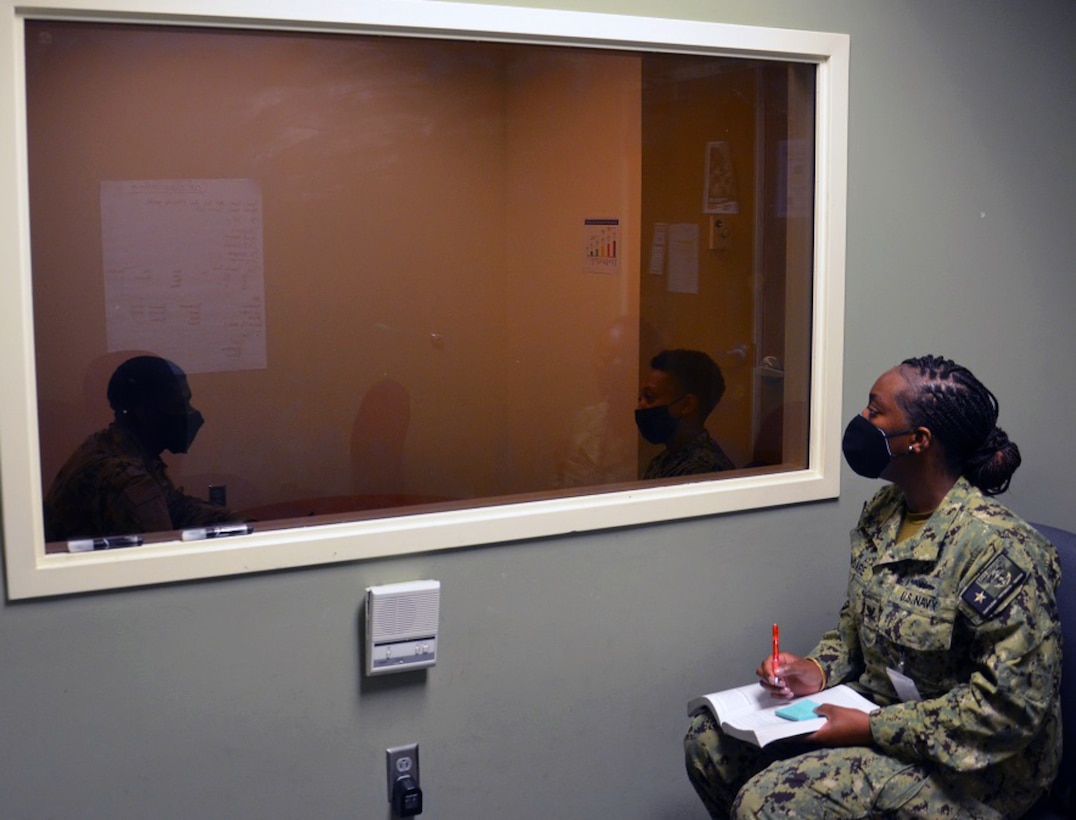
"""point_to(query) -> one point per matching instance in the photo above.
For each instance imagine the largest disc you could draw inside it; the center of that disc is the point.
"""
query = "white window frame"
(32, 573)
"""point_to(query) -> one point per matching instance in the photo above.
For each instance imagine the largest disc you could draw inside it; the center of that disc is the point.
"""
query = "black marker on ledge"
(108, 542)
(216, 531)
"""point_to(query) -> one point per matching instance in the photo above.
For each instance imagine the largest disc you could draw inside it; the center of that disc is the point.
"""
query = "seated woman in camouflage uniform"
(681, 390)
(950, 626)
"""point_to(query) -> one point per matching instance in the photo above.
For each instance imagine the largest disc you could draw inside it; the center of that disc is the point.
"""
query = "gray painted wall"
(566, 663)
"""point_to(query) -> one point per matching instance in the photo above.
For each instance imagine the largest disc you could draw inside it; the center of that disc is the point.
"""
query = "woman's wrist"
(821, 672)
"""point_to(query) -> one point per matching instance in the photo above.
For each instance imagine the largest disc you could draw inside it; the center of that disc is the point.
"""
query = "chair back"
(1065, 542)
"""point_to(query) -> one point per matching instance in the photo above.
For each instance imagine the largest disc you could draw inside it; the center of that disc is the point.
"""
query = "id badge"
(905, 686)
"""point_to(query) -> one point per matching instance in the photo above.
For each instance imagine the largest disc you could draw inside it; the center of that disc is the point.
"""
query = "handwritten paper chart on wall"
(183, 267)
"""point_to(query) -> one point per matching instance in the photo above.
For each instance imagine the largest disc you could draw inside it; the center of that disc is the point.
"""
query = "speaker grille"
(403, 615)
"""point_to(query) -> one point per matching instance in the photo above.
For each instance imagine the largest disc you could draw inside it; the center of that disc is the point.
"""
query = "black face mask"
(179, 430)
(656, 424)
(866, 447)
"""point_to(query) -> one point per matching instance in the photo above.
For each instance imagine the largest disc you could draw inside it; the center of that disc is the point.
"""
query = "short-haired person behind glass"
(950, 626)
(678, 394)
(116, 483)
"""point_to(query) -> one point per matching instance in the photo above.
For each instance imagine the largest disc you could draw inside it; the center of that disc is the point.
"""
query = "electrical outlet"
(402, 761)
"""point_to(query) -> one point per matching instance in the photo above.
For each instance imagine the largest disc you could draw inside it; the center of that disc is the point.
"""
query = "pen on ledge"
(216, 531)
(776, 652)
(108, 542)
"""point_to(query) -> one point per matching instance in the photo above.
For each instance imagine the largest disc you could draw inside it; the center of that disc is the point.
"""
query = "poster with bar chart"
(601, 245)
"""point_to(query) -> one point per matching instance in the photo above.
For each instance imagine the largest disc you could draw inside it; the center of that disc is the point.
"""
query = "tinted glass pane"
(402, 273)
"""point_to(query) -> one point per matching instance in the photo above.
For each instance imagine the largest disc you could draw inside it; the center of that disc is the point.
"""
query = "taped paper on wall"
(183, 271)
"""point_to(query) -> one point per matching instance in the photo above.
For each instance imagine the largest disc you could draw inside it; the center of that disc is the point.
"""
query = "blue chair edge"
(1058, 803)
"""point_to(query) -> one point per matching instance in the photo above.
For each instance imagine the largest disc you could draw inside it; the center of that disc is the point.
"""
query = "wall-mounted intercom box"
(401, 626)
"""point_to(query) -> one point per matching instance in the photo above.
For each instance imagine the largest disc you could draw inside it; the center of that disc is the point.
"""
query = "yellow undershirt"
(912, 524)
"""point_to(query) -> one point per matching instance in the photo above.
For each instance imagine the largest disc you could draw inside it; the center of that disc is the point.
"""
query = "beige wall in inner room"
(573, 132)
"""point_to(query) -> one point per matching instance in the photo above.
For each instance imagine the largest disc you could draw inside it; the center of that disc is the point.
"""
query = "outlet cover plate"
(401, 760)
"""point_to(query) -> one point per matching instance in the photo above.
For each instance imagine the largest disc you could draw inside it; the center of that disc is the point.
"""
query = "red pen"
(776, 651)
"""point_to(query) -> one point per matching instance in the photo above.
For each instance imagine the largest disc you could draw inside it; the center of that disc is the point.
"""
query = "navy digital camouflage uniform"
(111, 486)
(966, 610)
(700, 455)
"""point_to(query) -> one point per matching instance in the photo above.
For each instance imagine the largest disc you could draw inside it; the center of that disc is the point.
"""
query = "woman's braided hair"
(962, 414)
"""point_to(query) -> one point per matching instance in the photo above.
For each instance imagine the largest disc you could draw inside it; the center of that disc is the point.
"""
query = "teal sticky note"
(800, 710)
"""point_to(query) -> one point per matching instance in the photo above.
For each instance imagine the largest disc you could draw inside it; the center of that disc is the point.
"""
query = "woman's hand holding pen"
(794, 676)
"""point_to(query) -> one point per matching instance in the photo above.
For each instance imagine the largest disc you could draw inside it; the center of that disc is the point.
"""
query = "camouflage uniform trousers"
(738, 780)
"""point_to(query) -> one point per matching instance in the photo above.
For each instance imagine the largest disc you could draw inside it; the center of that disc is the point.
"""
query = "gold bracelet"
(821, 671)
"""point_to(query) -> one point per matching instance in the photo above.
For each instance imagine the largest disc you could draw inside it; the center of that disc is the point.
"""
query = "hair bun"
(991, 467)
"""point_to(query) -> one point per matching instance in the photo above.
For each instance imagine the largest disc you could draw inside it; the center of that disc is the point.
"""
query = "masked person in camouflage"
(116, 483)
(681, 390)
(950, 626)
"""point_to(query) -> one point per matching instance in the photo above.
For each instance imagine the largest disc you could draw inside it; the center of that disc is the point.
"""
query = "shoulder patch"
(1000, 577)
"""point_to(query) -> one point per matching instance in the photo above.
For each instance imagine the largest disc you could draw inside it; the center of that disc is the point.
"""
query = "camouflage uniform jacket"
(111, 486)
(966, 609)
(701, 455)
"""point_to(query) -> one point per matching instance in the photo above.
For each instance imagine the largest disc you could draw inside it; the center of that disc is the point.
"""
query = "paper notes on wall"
(683, 274)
